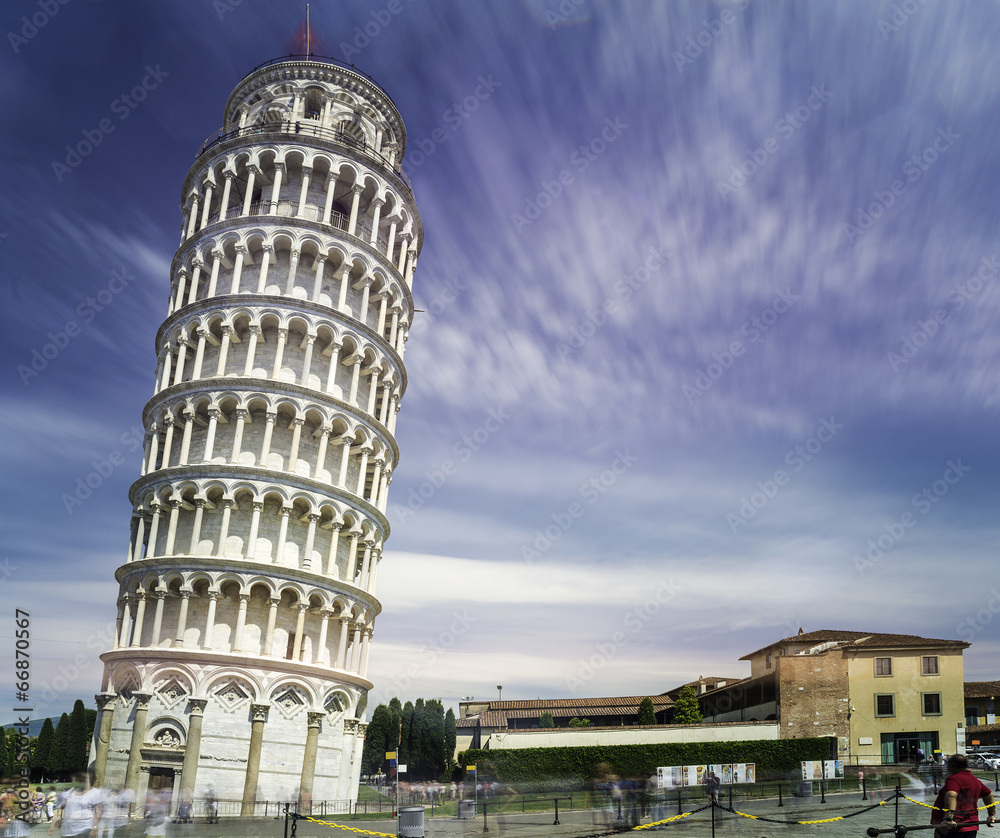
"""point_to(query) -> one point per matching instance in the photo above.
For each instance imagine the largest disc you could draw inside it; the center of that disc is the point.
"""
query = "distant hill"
(34, 725)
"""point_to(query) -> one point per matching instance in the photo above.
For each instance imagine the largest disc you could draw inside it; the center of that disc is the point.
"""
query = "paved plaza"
(579, 823)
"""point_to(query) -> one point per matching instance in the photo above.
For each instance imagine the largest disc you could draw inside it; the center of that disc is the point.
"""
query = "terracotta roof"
(711, 682)
(498, 713)
(982, 689)
(553, 703)
(973, 729)
(859, 639)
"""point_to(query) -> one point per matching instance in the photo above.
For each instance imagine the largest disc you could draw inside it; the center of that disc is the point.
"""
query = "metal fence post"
(556, 821)
(485, 826)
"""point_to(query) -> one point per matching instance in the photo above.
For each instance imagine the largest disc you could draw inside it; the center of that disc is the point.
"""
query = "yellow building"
(884, 697)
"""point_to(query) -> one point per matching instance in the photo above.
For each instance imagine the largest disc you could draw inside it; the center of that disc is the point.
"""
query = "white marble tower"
(247, 597)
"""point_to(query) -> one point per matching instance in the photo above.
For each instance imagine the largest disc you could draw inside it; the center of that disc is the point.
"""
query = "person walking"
(955, 808)
(79, 810)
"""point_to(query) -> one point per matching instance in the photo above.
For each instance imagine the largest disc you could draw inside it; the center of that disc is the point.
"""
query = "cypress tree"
(647, 714)
(55, 765)
(405, 723)
(3, 750)
(11, 769)
(377, 741)
(450, 735)
(43, 744)
(433, 738)
(686, 709)
(416, 756)
(77, 739)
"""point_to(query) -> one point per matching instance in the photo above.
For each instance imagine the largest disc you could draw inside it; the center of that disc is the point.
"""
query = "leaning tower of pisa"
(247, 598)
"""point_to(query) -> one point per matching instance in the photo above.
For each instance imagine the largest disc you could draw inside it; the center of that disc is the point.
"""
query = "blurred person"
(211, 805)
(157, 814)
(51, 798)
(955, 808)
(37, 805)
(79, 810)
(712, 787)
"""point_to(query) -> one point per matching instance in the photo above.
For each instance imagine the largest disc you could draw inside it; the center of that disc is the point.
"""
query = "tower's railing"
(308, 128)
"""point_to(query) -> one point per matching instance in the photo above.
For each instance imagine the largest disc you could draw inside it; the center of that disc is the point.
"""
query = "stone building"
(980, 712)
(247, 597)
(882, 696)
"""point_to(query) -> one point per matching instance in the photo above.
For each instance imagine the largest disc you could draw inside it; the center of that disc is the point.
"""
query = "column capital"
(242, 413)
(267, 247)
(310, 339)
(198, 262)
(214, 413)
(321, 258)
(184, 594)
(303, 606)
(377, 201)
(142, 700)
(218, 253)
(294, 254)
(201, 503)
(254, 329)
(307, 170)
(244, 597)
(106, 701)
(258, 505)
(270, 417)
(298, 421)
(279, 166)
(214, 595)
(196, 706)
(325, 613)
(283, 332)
(258, 712)
(228, 503)
(228, 174)
(345, 619)
(357, 189)
(313, 718)
(313, 517)
(253, 169)
(274, 601)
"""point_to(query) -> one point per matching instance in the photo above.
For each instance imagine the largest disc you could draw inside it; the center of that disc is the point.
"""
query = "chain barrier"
(937, 808)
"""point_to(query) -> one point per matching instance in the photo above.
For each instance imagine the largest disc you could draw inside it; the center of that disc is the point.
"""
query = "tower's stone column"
(106, 711)
(192, 750)
(138, 733)
(258, 715)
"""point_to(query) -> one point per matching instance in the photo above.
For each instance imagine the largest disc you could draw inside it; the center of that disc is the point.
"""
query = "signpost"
(471, 769)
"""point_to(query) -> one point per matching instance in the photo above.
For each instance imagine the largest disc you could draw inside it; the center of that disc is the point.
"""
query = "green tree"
(405, 723)
(686, 709)
(433, 739)
(396, 712)
(647, 715)
(377, 741)
(576, 722)
(13, 737)
(41, 753)
(55, 764)
(450, 735)
(77, 739)
(546, 720)
(3, 751)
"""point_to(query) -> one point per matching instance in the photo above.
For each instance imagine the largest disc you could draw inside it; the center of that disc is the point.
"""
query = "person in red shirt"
(955, 809)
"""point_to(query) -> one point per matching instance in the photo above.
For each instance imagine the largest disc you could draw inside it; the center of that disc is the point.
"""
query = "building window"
(883, 667)
(767, 661)
(932, 704)
(971, 716)
(885, 704)
(929, 665)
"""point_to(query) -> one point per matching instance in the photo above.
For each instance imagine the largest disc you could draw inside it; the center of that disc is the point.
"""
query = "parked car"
(982, 762)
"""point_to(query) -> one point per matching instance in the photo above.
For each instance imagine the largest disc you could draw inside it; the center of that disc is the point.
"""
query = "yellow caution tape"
(937, 808)
(350, 828)
(667, 820)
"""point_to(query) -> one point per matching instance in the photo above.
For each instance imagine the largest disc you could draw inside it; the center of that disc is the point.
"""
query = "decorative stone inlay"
(232, 695)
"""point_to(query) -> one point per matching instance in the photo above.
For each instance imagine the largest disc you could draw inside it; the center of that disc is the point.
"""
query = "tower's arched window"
(313, 103)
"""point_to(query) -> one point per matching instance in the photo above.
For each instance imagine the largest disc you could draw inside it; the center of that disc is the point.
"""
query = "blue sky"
(711, 302)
